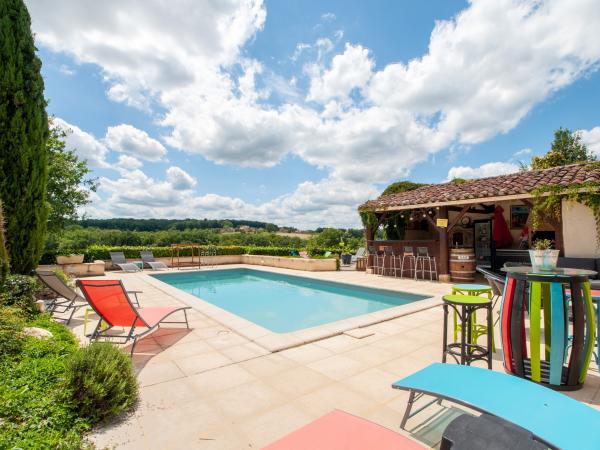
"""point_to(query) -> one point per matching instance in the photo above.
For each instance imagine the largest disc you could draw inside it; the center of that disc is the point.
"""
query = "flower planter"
(543, 259)
(69, 259)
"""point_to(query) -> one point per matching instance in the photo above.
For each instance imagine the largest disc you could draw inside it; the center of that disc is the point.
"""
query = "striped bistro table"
(543, 293)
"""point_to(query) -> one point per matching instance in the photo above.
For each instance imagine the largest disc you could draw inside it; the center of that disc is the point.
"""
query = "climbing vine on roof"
(548, 200)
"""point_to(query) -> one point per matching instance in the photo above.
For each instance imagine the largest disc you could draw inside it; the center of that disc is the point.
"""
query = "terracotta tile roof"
(519, 183)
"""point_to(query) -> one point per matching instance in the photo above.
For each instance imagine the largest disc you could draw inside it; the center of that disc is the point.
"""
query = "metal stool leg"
(445, 337)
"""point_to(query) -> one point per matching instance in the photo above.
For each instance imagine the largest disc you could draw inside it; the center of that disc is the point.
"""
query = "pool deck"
(212, 387)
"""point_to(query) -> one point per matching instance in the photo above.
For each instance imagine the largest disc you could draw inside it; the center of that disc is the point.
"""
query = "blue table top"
(552, 416)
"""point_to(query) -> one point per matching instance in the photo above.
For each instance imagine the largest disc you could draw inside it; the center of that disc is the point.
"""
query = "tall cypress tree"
(4, 263)
(23, 134)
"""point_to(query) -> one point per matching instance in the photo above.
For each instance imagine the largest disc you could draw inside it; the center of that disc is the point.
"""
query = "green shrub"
(34, 410)
(19, 291)
(12, 322)
(101, 382)
(272, 251)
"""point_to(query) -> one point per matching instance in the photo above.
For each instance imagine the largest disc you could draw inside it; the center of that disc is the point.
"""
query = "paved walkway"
(210, 388)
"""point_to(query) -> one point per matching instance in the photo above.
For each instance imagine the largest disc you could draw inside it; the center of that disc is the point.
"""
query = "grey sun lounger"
(553, 418)
(148, 259)
(65, 300)
(118, 259)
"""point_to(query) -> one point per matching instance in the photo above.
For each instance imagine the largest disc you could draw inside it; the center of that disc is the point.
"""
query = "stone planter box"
(69, 259)
(79, 270)
(310, 265)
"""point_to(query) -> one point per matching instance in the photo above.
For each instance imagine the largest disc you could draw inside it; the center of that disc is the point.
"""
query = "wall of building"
(579, 231)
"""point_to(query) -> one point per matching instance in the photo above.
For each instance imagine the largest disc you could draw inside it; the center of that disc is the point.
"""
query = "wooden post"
(443, 235)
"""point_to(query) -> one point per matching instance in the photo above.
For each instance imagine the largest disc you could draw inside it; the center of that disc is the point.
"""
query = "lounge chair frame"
(148, 259)
(72, 300)
(101, 333)
(118, 259)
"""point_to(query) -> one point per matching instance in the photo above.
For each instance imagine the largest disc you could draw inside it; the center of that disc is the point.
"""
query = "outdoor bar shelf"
(546, 293)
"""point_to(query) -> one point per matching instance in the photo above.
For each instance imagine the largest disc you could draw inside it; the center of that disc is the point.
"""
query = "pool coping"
(274, 342)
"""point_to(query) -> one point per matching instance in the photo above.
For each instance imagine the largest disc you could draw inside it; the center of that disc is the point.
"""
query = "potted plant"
(543, 257)
(345, 251)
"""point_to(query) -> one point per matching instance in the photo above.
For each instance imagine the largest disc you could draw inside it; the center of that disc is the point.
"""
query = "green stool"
(476, 330)
(467, 350)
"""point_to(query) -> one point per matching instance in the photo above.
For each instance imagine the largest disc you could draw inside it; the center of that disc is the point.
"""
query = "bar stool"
(372, 259)
(408, 257)
(388, 256)
(477, 330)
(466, 351)
(397, 261)
(422, 257)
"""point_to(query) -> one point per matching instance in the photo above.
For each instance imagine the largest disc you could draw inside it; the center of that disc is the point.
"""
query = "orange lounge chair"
(338, 430)
(110, 301)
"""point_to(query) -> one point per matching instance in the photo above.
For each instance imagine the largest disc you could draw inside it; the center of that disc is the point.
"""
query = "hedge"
(102, 252)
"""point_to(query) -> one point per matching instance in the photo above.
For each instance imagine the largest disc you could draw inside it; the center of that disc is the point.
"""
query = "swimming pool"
(284, 303)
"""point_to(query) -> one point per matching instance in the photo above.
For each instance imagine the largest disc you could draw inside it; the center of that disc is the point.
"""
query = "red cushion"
(338, 430)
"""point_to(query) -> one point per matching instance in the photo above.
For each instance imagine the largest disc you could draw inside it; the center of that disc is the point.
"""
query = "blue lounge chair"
(555, 419)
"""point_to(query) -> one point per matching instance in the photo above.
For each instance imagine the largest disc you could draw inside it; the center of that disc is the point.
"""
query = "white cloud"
(86, 146)
(591, 138)
(484, 70)
(328, 17)
(349, 70)
(300, 48)
(127, 162)
(180, 179)
(523, 152)
(485, 170)
(66, 70)
(128, 139)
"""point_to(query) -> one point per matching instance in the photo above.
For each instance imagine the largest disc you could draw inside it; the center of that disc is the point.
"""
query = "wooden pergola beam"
(460, 215)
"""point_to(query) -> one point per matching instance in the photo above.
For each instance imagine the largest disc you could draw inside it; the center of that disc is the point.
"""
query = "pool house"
(486, 222)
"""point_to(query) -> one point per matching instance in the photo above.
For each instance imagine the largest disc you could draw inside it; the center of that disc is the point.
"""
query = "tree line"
(129, 224)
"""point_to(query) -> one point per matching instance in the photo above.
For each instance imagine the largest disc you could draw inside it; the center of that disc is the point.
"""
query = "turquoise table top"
(559, 271)
(552, 416)
(471, 287)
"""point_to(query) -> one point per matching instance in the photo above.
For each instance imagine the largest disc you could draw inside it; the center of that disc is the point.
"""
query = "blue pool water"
(284, 303)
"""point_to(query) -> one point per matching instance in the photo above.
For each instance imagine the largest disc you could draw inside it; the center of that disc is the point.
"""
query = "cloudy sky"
(297, 111)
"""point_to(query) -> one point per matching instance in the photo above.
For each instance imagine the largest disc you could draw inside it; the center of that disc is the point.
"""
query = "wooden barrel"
(462, 264)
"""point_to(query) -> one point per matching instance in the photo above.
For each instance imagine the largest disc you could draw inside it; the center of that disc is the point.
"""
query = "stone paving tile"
(269, 426)
(159, 373)
(337, 367)
(217, 380)
(374, 383)
(268, 365)
(298, 381)
(307, 353)
(335, 396)
(248, 399)
(200, 363)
